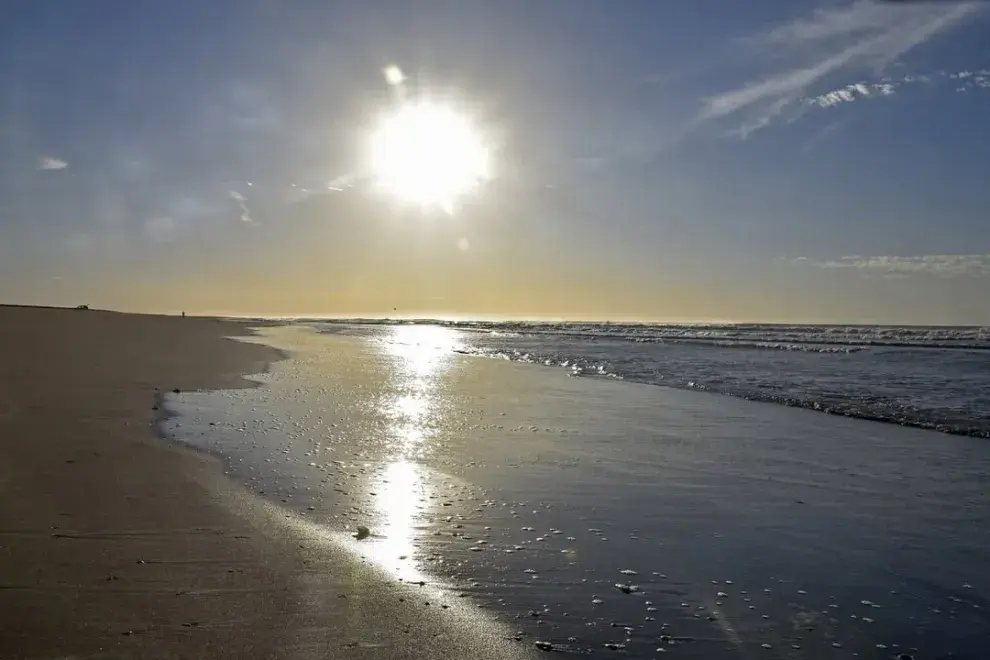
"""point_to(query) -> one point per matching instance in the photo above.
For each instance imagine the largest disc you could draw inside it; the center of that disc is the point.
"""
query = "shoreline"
(517, 486)
(939, 428)
(247, 381)
(86, 465)
(776, 366)
(115, 543)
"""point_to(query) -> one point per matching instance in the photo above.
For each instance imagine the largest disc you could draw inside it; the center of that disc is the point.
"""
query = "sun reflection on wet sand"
(397, 504)
(419, 358)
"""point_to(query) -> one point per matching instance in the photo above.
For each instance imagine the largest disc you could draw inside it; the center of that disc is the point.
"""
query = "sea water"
(603, 516)
(929, 377)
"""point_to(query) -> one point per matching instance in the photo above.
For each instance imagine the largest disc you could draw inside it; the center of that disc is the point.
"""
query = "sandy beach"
(436, 330)
(511, 509)
(114, 544)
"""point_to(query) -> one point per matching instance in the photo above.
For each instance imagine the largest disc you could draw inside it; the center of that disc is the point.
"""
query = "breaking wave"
(927, 377)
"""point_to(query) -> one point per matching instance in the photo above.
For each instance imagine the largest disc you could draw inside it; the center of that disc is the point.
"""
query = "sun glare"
(394, 75)
(428, 154)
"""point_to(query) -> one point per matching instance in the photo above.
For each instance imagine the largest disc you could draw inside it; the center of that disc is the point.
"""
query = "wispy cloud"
(339, 184)
(850, 93)
(242, 204)
(962, 81)
(941, 265)
(51, 163)
(862, 35)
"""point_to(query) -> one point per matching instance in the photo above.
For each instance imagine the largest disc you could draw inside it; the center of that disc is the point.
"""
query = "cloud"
(339, 184)
(242, 203)
(941, 265)
(838, 40)
(51, 163)
(964, 81)
(852, 92)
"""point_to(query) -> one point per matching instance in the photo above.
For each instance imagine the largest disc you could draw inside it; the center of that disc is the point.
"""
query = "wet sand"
(114, 544)
(747, 529)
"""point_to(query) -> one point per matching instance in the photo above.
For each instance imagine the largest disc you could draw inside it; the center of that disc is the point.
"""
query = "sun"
(428, 154)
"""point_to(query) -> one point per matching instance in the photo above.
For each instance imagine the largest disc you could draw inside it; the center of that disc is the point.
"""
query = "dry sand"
(114, 544)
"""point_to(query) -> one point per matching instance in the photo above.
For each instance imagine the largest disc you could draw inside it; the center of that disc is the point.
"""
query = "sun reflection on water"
(419, 358)
(421, 350)
(397, 503)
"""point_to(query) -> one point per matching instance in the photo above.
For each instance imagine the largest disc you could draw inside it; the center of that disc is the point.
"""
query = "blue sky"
(768, 160)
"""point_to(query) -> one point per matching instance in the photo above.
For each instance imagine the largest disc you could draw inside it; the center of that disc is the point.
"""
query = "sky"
(774, 160)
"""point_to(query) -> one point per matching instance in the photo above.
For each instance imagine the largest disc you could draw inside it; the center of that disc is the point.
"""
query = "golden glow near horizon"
(427, 153)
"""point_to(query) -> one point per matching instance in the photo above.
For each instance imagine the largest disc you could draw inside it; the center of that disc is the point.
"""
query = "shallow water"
(739, 524)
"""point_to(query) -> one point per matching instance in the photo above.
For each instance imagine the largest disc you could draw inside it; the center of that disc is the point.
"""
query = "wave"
(888, 412)
(926, 377)
(576, 367)
(764, 345)
(845, 338)
(876, 409)
(783, 337)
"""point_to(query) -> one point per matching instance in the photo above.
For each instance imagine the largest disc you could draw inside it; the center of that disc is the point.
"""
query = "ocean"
(930, 377)
(646, 491)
